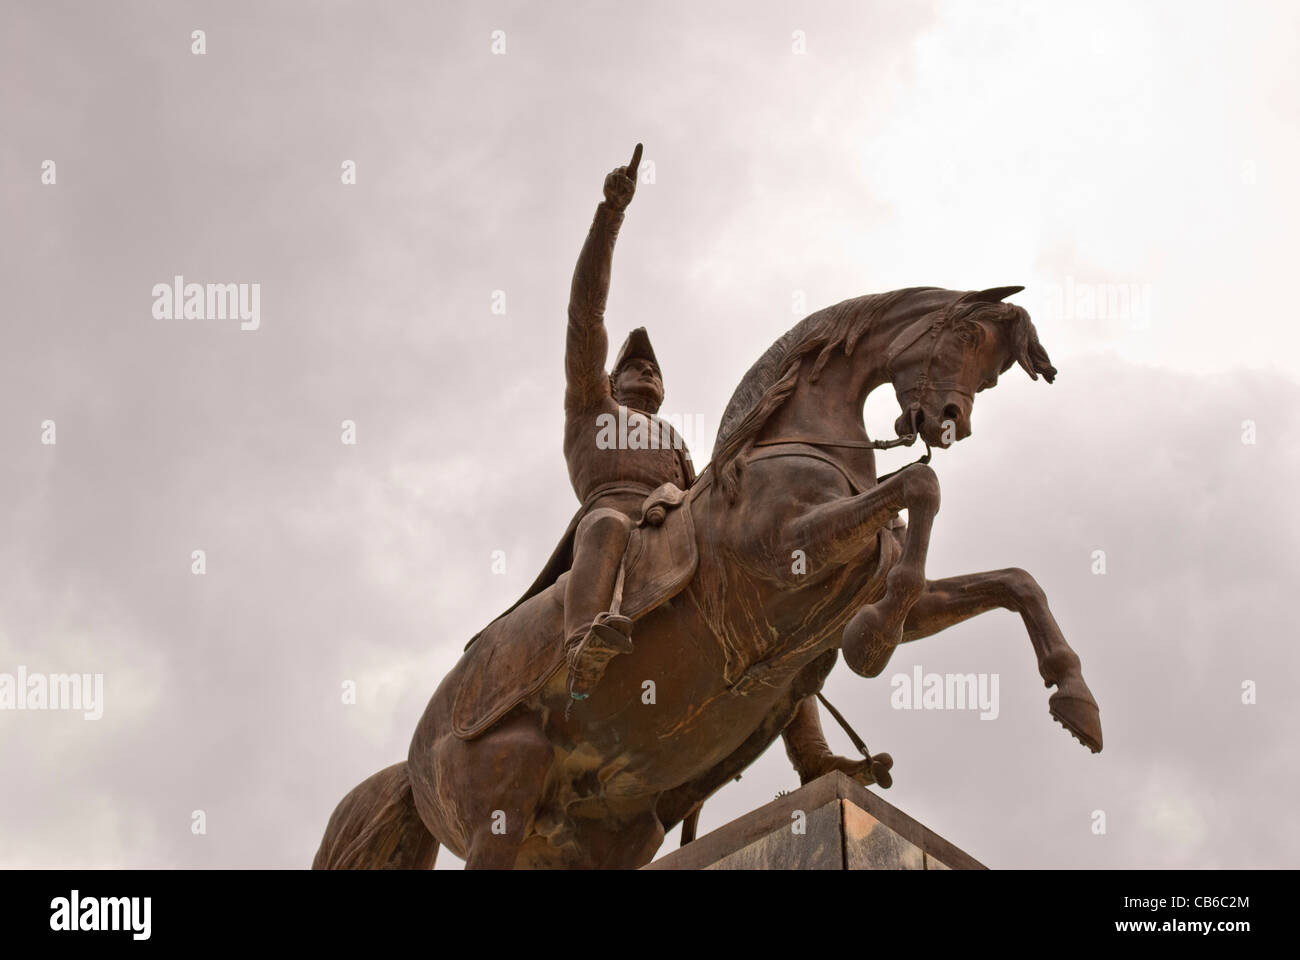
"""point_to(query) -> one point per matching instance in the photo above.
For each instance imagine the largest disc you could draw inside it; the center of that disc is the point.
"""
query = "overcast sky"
(1146, 153)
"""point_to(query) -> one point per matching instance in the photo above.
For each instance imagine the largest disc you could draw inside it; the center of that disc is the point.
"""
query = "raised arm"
(587, 343)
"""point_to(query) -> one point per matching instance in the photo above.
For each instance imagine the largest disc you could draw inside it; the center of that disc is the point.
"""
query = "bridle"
(909, 337)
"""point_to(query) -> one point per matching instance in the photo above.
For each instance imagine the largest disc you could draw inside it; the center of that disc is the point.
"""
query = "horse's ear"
(991, 295)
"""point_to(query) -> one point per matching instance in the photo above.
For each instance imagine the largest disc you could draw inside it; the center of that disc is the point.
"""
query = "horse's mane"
(771, 380)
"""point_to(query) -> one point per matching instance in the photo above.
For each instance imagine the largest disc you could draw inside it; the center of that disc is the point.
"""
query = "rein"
(839, 718)
(906, 441)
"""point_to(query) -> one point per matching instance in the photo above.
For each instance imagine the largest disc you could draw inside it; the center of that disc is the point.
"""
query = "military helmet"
(635, 347)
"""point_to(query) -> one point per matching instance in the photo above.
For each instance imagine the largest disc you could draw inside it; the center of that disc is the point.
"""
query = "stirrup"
(614, 632)
(602, 642)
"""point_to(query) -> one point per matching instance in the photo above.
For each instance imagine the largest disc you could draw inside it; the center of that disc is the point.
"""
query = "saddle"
(513, 656)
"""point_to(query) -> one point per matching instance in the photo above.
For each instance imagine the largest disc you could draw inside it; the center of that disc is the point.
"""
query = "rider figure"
(611, 479)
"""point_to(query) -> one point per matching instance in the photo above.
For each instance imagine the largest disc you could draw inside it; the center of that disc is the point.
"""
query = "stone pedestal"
(833, 823)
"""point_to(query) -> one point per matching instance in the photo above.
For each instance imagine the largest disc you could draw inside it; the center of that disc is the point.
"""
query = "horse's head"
(939, 362)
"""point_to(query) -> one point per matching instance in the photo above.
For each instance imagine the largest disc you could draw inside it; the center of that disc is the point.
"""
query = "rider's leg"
(593, 636)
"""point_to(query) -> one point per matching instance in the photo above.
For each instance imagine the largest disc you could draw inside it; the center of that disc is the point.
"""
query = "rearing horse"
(800, 553)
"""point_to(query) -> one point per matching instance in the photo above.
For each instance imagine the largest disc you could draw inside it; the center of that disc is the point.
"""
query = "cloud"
(932, 145)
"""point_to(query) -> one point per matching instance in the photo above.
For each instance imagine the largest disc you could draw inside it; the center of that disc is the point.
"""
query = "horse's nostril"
(952, 412)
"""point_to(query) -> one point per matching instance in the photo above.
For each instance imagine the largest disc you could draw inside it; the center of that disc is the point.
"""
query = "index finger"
(636, 162)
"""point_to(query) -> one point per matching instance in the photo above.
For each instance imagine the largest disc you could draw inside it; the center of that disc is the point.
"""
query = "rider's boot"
(589, 655)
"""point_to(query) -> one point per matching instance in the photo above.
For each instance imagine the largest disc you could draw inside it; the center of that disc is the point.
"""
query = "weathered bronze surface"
(684, 623)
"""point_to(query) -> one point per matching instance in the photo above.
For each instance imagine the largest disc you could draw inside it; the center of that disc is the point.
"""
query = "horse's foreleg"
(954, 599)
(836, 531)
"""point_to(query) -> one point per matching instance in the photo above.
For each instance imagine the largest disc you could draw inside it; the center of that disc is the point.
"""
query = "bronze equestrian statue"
(684, 623)
(612, 482)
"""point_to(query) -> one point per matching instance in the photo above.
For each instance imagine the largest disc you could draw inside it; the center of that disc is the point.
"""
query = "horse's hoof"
(874, 770)
(880, 772)
(1079, 716)
(857, 770)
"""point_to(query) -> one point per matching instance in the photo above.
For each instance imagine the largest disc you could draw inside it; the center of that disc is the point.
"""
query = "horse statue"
(787, 549)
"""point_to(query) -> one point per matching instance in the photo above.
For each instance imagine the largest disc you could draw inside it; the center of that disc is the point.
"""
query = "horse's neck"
(831, 407)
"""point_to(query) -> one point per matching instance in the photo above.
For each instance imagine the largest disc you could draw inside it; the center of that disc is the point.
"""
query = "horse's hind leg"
(954, 599)
(496, 784)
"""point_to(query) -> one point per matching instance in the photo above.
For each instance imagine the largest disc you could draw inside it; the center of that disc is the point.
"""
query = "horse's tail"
(376, 827)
